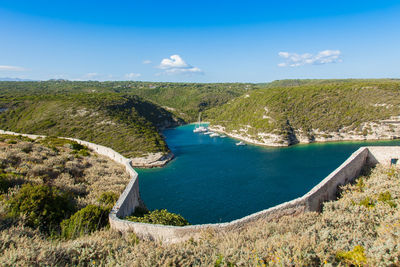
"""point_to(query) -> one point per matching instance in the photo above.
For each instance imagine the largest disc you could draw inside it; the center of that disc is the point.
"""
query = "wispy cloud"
(323, 57)
(176, 65)
(146, 61)
(91, 75)
(132, 75)
(11, 68)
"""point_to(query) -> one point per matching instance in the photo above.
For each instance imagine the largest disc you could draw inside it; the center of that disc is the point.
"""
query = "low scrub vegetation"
(85, 221)
(126, 123)
(185, 100)
(61, 188)
(157, 217)
(345, 233)
(326, 105)
(40, 206)
(56, 186)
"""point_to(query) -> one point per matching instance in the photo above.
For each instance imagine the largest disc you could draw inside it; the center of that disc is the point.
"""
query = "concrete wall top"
(385, 154)
(325, 190)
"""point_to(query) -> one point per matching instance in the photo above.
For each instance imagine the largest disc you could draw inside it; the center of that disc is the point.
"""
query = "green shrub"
(27, 148)
(5, 183)
(367, 202)
(85, 221)
(54, 142)
(76, 146)
(386, 197)
(360, 184)
(159, 217)
(84, 153)
(354, 257)
(108, 198)
(392, 172)
(42, 206)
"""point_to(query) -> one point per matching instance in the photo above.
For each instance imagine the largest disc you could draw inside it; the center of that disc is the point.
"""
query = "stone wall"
(326, 190)
(130, 198)
(384, 155)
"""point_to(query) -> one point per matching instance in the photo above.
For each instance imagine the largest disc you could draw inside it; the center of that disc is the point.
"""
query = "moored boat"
(199, 128)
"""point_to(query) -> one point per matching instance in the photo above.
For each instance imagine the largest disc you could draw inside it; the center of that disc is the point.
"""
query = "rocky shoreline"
(383, 130)
(152, 160)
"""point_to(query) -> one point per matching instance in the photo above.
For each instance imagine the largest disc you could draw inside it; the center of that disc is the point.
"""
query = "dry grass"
(310, 239)
(85, 176)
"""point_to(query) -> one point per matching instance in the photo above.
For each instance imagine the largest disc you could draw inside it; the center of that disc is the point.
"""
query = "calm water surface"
(213, 180)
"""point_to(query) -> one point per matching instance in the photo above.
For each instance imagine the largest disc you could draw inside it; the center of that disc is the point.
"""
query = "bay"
(212, 180)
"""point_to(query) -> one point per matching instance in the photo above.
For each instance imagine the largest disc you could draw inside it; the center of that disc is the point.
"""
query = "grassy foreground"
(361, 228)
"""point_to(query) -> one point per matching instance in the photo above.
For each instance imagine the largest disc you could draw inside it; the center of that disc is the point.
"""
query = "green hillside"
(299, 82)
(185, 100)
(124, 115)
(126, 123)
(328, 105)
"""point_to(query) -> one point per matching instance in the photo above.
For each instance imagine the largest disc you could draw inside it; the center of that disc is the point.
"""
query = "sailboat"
(199, 128)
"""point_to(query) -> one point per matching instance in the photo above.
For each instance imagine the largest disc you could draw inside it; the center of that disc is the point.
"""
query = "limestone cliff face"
(382, 130)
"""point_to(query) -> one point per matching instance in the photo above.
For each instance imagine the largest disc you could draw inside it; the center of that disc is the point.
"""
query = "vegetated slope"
(307, 113)
(185, 100)
(44, 181)
(299, 82)
(361, 228)
(61, 188)
(126, 123)
(188, 99)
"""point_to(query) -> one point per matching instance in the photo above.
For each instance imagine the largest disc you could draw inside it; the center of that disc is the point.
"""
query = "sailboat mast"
(199, 121)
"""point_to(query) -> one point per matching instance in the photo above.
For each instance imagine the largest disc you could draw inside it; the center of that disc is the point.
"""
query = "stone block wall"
(326, 190)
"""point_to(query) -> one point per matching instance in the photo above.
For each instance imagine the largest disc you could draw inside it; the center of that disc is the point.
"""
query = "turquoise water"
(213, 180)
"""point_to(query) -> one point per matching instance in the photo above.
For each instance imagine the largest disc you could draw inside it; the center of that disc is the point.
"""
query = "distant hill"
(7, 79)
(292, 111)
(185, 100)
(299, 82)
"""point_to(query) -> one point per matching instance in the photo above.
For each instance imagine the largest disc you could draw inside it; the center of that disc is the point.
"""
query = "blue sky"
(199, 41)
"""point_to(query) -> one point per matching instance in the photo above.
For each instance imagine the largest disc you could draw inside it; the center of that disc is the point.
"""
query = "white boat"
(241, 143)
(223, 136)
(199, 128)
(214, 135)
(207, 133)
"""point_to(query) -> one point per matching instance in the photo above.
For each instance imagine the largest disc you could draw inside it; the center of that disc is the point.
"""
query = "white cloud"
(146, 61)
(11, 68)
(91, 75)
(176, 65)
(284, 54)
(323, 57)
(132, 75)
